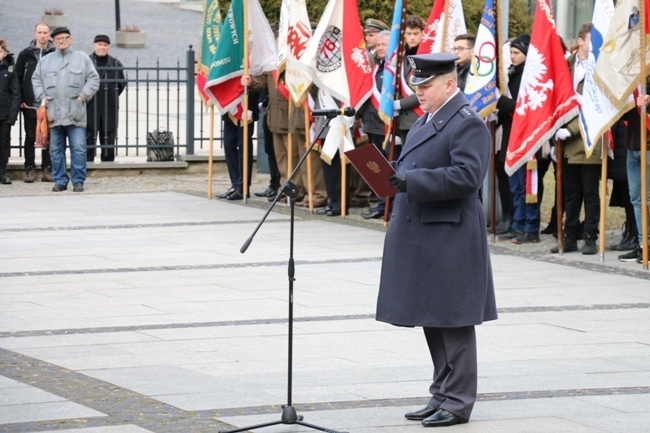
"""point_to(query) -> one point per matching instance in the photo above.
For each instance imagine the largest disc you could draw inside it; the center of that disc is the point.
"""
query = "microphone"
(347, 111)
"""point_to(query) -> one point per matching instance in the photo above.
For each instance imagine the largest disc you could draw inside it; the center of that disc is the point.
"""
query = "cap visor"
(418, 81)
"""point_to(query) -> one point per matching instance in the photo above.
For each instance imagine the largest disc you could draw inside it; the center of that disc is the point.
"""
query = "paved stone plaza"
(129, 308)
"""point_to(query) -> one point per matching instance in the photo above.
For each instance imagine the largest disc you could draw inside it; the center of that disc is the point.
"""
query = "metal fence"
(155, 98)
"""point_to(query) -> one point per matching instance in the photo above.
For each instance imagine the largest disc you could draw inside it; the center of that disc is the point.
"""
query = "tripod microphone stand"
(289, 414)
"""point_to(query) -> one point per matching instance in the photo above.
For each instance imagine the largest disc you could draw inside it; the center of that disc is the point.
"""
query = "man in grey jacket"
(64, 81)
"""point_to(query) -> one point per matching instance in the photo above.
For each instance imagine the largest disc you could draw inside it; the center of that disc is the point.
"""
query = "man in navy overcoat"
(436, 270)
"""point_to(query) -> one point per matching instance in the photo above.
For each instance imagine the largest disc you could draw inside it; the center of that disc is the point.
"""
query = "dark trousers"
(378, 141)
(455, 369)
(107, 141)
(29, 124)
(580, 182)
(332, 175)
(233, 147)
(503, 183)
(5, 145)
(270, 152)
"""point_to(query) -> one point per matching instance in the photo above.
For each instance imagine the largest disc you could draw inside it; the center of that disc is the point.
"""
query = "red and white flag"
(336, 57)
(546, 99)
(297, 79)
(446, 21)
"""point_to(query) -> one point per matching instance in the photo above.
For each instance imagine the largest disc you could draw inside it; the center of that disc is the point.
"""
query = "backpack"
(160, 146)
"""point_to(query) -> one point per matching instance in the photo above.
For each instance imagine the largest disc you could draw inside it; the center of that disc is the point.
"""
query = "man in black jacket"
(103, 109)
(25, 66)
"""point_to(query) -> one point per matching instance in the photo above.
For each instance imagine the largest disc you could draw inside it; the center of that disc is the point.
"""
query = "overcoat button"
(414, 164)
(408, 219)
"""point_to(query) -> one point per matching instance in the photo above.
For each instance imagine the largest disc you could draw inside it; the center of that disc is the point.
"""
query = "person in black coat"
(25, 67)
(438, 175)
(9, 106)
(103, 109)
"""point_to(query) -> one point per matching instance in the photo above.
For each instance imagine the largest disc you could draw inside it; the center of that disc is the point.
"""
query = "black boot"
(504, 225)
(589, 247)
(570, 245)
(632, 240)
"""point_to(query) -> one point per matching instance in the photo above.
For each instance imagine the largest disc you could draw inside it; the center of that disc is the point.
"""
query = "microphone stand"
(289, 414)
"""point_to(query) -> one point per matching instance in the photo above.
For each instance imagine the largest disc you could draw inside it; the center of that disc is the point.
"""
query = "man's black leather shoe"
(226, 194)
(268, 192)
(372, 213)
(442, 418)
(58, 187)
(323, 210)
(237, 195)
(421, 414)
(334, 212)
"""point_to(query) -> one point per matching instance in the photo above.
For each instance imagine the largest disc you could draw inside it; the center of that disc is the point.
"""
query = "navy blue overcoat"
(436, 269)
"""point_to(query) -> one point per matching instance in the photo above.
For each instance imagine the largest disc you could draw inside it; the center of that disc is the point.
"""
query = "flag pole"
(603, 200)
(245, 114)
(394, 122)
(210, 149)
(502, 89)
(310, 179)
(344, 174)
(289, 141)
(558, 195)
(644, 146)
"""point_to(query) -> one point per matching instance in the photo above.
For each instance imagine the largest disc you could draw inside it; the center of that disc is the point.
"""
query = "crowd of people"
(80, 93)
(520, 216)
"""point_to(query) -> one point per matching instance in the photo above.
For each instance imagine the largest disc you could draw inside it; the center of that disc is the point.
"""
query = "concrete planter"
(130, 39)
(55, 21)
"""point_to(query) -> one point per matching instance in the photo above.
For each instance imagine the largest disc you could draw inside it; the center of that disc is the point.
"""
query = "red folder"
(373, 166)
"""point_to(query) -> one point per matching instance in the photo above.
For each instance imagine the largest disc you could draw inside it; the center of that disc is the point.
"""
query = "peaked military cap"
(426, 67)
(374, 25)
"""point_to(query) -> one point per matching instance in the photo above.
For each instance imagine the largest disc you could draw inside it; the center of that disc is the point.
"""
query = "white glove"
(552, 154)
(562, 134)
(397, 106)
(492, 117)
(261, 107)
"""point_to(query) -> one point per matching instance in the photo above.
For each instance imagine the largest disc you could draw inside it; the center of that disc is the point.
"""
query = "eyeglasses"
(61, 38)
(461, 49)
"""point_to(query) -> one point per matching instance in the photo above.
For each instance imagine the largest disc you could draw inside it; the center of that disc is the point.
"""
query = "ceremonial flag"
(618, 66)
(598, 113)
(283, 31)
(446, 21)
(227, 66)
(208, 44)
(481, 86)
(336, 56)
(390, 67)
(546, 99)
(296, 78)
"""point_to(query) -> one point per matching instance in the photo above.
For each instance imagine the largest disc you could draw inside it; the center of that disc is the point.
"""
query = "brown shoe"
(47, 175)
(30, 175)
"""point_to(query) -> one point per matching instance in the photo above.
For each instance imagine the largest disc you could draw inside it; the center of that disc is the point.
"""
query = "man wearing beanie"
(64, 81)
(103, 108)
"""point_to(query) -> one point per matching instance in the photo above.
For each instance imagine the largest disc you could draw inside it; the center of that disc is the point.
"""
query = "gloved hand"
(552, 154)
(398, 180)
(562, 134)
(396, 105)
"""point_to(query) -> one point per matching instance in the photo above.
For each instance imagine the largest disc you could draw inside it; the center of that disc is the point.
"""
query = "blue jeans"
(76, 136)
(634, 182)
(525, 216)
